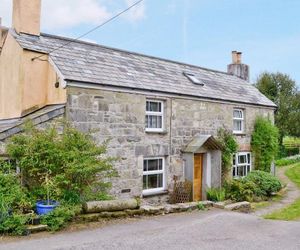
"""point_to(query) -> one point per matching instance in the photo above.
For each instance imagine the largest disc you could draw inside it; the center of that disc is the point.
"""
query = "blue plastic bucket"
(43, 208)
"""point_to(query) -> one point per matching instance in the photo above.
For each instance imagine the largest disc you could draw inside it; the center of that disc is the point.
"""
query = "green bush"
(14, 224)
(13, 202)
(287, 161)
(240, 190)
(215, 194)
(72, 165)
(266, 183)
(257, 184)
(60, 216)
(264, 143)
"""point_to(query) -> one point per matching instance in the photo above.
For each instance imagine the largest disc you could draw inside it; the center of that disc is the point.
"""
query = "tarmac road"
(214, 229)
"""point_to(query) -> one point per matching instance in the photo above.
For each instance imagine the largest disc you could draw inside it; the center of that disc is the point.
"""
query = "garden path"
(292, 194)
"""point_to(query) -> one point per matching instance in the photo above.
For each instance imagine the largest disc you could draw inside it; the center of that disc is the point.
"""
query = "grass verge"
(291, 212)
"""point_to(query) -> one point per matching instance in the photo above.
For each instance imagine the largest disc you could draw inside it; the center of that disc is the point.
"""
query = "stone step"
(36, 228)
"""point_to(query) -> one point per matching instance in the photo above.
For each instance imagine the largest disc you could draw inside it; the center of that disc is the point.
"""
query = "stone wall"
(120, 117)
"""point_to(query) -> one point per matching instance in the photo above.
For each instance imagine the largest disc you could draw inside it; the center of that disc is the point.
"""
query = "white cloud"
(60, 15)
(70, 13)
(137, 12)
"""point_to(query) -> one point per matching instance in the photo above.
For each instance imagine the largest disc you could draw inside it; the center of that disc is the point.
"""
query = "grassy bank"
(291, 212)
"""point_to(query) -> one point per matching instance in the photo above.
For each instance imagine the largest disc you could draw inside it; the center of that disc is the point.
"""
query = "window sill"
(164, 192)
(156, 132)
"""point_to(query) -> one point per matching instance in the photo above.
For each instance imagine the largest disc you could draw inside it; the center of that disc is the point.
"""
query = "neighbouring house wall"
(39, 80)
(10, 78)
(25, 85)
(120, 117)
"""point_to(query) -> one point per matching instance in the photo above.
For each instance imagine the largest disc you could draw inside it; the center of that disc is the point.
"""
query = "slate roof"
(202, 140)
(14, 126)
(97, 64)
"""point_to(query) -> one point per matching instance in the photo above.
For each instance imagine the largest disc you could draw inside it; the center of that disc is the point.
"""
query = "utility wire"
(90, 31)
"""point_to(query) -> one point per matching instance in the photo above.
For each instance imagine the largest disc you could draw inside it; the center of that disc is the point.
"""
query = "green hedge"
(288, 161)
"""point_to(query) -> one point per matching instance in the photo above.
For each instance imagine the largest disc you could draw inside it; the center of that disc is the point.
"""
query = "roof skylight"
(193, 78)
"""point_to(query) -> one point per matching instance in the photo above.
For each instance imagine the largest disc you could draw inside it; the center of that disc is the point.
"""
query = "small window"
(154, 116)
(153, 175)
(241, 164)
(193, 78)
(238, 121)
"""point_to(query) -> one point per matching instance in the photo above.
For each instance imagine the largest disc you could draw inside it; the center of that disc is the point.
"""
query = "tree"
(282, 90)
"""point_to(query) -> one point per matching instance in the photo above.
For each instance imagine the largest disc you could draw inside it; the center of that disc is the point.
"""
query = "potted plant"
(48, 205)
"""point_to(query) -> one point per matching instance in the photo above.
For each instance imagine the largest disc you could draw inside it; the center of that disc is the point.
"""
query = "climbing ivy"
(264, 143)
(229, 147)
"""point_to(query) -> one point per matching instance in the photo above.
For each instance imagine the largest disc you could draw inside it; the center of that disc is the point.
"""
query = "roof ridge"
(136, 53)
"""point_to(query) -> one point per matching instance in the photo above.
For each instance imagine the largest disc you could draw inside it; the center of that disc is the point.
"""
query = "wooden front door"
(197, 183)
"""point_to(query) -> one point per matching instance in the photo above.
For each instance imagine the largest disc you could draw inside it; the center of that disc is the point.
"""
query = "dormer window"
(193, 78)
(238, 121)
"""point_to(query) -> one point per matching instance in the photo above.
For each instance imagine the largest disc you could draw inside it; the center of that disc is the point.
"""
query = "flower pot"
(42, 207)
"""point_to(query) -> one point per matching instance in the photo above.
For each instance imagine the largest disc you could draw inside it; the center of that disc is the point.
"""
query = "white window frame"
(155, 190)
(241, 119)
(154, 113)
(237, 164)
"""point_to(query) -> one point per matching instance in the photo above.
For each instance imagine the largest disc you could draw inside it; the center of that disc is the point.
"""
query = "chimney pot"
(237, 68)
(27, 16)
(234, 57)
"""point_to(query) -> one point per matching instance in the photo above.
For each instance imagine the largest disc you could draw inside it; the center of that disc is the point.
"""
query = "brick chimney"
(27, 16)
(237, 68)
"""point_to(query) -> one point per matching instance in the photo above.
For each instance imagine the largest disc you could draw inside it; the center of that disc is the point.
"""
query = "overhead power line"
(90, 31)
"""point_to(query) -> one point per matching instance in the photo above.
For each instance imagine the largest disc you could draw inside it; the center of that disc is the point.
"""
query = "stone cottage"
(161, 116)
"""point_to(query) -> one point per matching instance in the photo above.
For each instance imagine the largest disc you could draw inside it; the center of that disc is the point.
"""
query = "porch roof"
(202, 140)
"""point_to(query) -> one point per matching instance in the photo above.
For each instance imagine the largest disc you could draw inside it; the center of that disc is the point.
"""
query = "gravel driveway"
(214, 229)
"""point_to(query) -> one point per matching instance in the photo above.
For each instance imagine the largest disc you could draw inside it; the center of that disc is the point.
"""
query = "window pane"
(240, 171)
(153, 106)
(153, 121)
(233, 171)
(249, 158)
(155, 181)
(153, 165)
(145, 165)
(160, 167)
(237, 125)
(242, 159)
(145, 180)
(237, 113)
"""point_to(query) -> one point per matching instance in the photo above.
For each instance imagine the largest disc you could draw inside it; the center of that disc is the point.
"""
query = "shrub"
(229, 145)
(13, 202)
(14, 224)
(216, 194)
(60, 216)
(12, 195)
(264, 143)
(266, 184)
(74, 166)
(240, 190)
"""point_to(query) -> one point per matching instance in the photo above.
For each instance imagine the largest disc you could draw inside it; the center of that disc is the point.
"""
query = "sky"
(199, 32)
